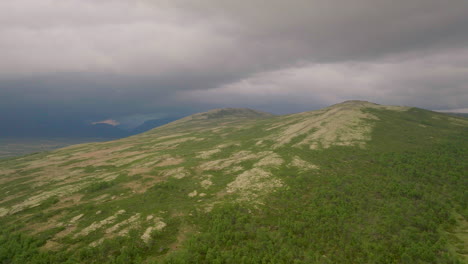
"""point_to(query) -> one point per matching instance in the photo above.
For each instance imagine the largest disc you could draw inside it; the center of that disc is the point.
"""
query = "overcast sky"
(93, 60)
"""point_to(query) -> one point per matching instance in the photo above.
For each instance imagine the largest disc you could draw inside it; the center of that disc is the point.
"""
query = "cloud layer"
(115, 58)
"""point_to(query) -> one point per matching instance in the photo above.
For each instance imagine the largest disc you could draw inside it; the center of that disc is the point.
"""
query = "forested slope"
(351, 183)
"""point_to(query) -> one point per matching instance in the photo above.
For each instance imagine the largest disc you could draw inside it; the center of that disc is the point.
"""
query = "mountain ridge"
(236, 177)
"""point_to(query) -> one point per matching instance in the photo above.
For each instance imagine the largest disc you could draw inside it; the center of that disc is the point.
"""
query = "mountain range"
(355, 182)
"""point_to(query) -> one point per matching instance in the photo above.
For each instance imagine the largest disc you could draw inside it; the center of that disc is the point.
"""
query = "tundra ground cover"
(189, 192)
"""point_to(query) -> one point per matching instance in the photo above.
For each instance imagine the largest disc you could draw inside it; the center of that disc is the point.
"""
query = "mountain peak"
(222, 113)
(355, 103)
(361, 104)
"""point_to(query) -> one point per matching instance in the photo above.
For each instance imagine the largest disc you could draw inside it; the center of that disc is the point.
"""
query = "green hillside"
(355, 182)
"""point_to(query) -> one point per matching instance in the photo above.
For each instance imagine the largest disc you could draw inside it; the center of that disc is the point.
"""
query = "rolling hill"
(355, 182)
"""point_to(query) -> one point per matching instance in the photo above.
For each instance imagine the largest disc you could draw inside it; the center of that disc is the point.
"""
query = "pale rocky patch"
(159, 225)
(170, 161)
(36, 200)
(146, 237)
(97, 225)
(69, 200)
(46, 161)
(70, 229)
(171, 144)
(97, 242)
(177, 173)
(92, 157)
(208, 153)
(101, 198)
(206, 183)
(138, 170)
(302, 164)
(236, 144)
(3, 211)
(285, 121)
(6, 172)
(209, 207)
(253, 183)
(193, 194)
(51, 245)
(235, 159)
(124, 161)
(235, 169)
(147, 165)
(272, 160)
(459, 121)
(106, 176)
(76, 218)
(344, 124)
(219, 129)
(104, 150)
(53, 174)
(130, 221)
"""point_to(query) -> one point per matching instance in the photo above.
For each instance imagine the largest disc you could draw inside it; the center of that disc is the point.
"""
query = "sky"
(127, 60)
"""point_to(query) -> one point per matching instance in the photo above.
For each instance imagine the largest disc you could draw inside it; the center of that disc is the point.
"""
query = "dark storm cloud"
(429, 81)
(343, 30)
(112, 58)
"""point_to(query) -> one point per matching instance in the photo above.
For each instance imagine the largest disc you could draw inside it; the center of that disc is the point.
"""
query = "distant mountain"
(34, 137)
(73, 129)
(64, 129)
(355, 182)
(229, 113)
